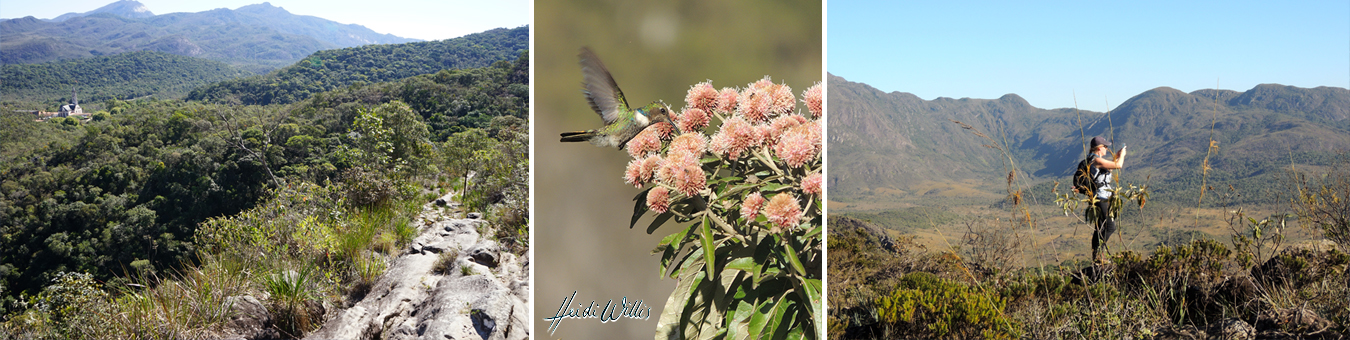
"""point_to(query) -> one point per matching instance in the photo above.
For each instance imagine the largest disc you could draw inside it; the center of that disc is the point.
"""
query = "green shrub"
(291, 293)
(926, 306)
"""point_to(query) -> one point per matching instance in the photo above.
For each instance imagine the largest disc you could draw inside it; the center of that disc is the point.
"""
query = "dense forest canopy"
(129, 188)
(332, 69)
(124, 76)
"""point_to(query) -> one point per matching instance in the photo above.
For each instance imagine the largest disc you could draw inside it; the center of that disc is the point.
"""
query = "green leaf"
(812, 233)
(669, 325)
(811, 289)
(769, 273)
(746, 264)
(766, 311)
(738, 320)
(775, 324)
(675, 239)
(738, 189)
(725, 180)
(791, 255)
(784, 329)
(708, 248)
(770, 187)
(688, 259)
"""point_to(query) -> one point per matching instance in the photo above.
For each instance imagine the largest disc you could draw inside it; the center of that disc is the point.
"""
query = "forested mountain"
(122, 76)
(258, 34)
(331, 69)
(130, 189)
(895, 140)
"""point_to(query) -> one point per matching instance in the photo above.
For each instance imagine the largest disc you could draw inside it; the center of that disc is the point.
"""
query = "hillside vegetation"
(120, 199)
(331, 69)
(123, 76)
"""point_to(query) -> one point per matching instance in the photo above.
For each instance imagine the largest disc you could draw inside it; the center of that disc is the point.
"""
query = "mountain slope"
(332, 69)
(122, 76)
(255, 34)
(897, 140)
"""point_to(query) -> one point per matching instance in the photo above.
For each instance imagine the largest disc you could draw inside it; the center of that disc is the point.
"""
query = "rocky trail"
(451, 282)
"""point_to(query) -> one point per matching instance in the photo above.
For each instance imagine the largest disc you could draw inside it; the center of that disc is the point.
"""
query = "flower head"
(799, 145)
(755, 105)
(780, 125)
(783, 210)
(726, 100)
(781, 99)
(814, 100)
(665, 131)
(686, 177)
(751, 205)
(690, 144)
(702, 96)
(658, 200)
(640, 171)
(811, 184)
(693, 119)
(683, 171)
(761, 84)
(735, 137)
(646, 142)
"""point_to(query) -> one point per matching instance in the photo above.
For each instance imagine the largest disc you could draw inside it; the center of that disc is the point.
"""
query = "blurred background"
(655, 50)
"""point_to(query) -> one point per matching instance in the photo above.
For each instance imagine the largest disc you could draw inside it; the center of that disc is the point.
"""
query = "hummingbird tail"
(577, 136)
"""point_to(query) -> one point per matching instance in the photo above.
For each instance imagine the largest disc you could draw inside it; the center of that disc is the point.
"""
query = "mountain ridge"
(259, 34)
(896, 141)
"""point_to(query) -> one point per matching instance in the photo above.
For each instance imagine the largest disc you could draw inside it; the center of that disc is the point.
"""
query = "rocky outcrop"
(478, 291)
(249, 320)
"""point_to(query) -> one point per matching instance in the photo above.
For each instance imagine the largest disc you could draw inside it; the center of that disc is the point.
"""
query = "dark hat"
(1099, 141)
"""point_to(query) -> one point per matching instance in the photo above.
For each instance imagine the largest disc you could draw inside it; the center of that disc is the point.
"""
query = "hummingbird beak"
(668, 119)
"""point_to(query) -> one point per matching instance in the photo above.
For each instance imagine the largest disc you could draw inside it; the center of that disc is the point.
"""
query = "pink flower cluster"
(763, 116)
(658, 200)
(751, 206)
(641, 170)
(811, 184)
(759, 116)
(649, 140)
(702, 96)
(814, 100)
(682, 169)
(692, 119)
(727, 99)
(800, 144)
(736, 137)
(783, 210)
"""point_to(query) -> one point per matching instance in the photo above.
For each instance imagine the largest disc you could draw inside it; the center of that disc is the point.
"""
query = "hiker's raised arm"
(1118, 163)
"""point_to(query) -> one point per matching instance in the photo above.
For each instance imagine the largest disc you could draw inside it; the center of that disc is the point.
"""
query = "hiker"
(1099, 212)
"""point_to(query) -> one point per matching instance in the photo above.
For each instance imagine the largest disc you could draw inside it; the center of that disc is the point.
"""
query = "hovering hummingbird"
(621, 123)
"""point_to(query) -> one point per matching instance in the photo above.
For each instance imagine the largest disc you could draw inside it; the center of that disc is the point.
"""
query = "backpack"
(1082, 178)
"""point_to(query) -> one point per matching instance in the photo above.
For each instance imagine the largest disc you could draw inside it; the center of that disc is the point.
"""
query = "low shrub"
(924, 305)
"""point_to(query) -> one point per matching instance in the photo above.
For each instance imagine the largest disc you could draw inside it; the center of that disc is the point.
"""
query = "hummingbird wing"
(601, 91)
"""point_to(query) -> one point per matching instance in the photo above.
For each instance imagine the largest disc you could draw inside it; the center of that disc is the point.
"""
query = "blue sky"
(1102, 51)
(419, 19)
